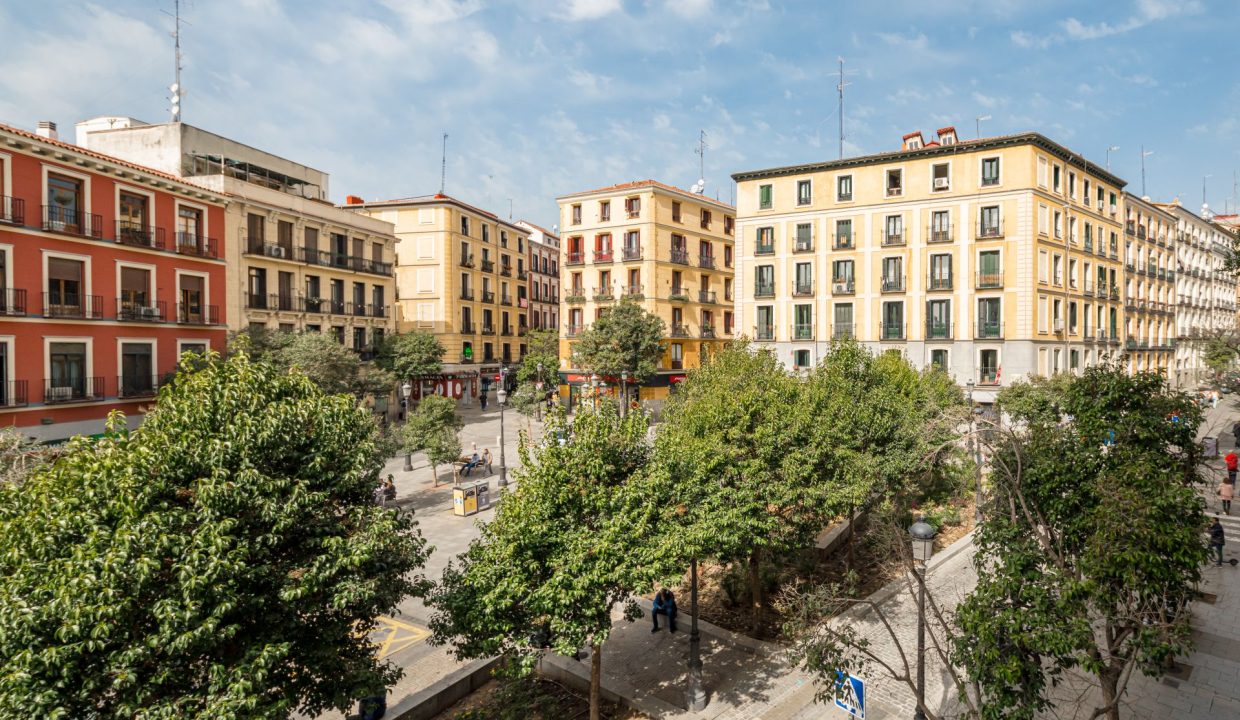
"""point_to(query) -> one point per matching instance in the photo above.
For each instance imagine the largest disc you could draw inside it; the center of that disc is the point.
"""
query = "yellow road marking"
(392, 636)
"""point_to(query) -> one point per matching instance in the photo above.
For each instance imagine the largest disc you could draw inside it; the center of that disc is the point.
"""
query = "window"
(843, 234)
(764, 281)
(940, 226)
(764, 197)
(136, 302)
(989, 225)
(803, 327)
(132, 220)
(990, 171)
(729, 223)
(1057, 269)
(804, 279)
(895, 183)
(939, 178)
(844, 188)
(65, 210)
(800, 359)
(938, 359)
(766, 241)
(988, 367)
(1085, 193)
(675, 211)
(1072, 317)
(706, 219)
(989, 270)
(137, 370)
(1072, 272)
(765, 318)
(1071, 184)
(69, 365)
(576, 216)
(805, 237)
(805, 192)
(1042, 172)
(893, 274)
(842, 277)
(940, 272)
(938, 320)
(604, 210)
(465, 221)
(893, 230)
(1043, 267)
(989, 318)
(66, 290)
(633, 206)
(1058, 225)
(843, 320)
(893, 321)
(1055, 179)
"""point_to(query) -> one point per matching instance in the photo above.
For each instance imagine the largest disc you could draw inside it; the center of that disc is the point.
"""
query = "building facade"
(544, 263)
(995, 259)
(1149, 287)
(669, 249)
(462, 275)
(1205, 292)
(109, 271)
(295, 262)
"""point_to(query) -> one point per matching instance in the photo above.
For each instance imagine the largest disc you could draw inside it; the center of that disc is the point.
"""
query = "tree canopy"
(432, 428)
(330, 365)
(225, 560)
(410, 355)
(626, 338)
(543, 349)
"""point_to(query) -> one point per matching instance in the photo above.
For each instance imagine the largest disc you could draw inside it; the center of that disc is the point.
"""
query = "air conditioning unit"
(940, 183)
(62, 392)
(840, 287)
(148, 313)
(1058, 325)
(275, 251)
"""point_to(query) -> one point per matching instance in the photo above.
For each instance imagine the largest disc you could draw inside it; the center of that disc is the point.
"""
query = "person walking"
(486, 460)
(1225, 491)
(1233, 461)
(482, 400)
(1217, 540)
(664, 603)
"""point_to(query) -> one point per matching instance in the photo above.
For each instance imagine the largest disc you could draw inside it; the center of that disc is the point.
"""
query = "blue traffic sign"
(850, 694)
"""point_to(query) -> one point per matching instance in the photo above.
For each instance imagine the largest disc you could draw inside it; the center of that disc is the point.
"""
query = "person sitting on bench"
(474, 461)
(665, 603)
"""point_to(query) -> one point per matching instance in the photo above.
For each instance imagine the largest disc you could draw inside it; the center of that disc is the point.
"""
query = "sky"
(542, 98)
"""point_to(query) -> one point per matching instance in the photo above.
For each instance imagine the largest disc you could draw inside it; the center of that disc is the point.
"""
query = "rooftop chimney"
(47, 129)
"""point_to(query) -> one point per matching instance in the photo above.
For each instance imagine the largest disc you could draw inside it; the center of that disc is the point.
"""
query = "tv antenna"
(700, 186)
(175, 88)
(840, 87)
(443, 164)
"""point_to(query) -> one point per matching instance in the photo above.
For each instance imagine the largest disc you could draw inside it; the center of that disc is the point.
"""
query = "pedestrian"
(486, 459)
(378, 495)
(1233, 461)
(665, 603)
(482, 400)
(1214, 397)
(474, 461)
(1217, 540)
(1225, 491)
(389, 489)
(1235, 432)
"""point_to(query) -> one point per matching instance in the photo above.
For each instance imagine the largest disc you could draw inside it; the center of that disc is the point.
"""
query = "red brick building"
(108, 272)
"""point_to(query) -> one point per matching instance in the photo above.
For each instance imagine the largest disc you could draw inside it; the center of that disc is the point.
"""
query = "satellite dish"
(698, 187)
(174, 87)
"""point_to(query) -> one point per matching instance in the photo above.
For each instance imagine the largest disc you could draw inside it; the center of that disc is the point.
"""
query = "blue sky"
(546, 97)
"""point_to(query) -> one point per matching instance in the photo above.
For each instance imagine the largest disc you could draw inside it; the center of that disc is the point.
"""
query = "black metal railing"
(938, 330)
(988, 375)
(843, 242)
(803, 245)
(488, 296)
(487, 330)
(76, 389)
(893, 284)
(188, 314)
(843, 287)
(13, 393)
(706, 261)
(141, 311)
(891, 330)
(708, 332)
(467, 294)
(603, 256)
(633, 291)
(803, 289)
(707, 296)
(940, 283)
(129, 232)
(64, 305)
(680, 256)
(989, 280)
(803, 331)
(575, 258)
(989, 230)
(467, 329)
(842, 330)
(764, 332)
(680, 331)
(200, 245)
(893, 238)
(764, 290)
(679, 294)
(134, 386)
(12, 210)
(59, 219)
(12, 301)
(505, 269)
(573, 330)
(768, 249)
(505, 299)
(989, 329)
(940, 234)
(632, 253)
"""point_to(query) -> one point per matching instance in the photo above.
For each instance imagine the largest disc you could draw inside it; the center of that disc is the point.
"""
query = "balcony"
(357, 309)
(630, 254)
(679, 294)
(680, 331)
(72, 307)
(988, 375)
(13, 302)
(680, 256)
(939, 283)
(137, 386)
(487, 330)
(467, 261)
(803, 289)
(506, 330)
(893, 284)
(707, 297)
(803, 245)
(764, 332)
(843, 242)
(488, 296)
(842, 330)
(505, 269)
(14, 393)
(602, 256)
(989, 330)
(768, 249)
(505, 299)
(891, 331)
(633, 291)
(522, 274)
(989, 281)
(197, 245)
(938, 330)
(708, 332)
(706, 261)
(575, 295)
(843, 287)
(488, 266)
(987, 231)
(12, 211)
(193, 314)
(893, 238)
(60, 219)
(573, 330)
(467, 294)
(895, 191)
(140, 235)
(604, 294)
(467, 329)
(136, 311)
(939, 234)
(69, 390)
(803, 331)
(762, 290)
(575, 258)
(256, 246)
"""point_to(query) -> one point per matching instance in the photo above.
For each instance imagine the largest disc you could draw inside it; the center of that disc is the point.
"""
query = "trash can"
(1209, 446)
(484, 494)
(465, 499)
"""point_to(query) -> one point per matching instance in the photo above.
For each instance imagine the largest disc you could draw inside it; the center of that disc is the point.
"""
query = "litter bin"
(483, 491)
(1209, 446)
(465, 499)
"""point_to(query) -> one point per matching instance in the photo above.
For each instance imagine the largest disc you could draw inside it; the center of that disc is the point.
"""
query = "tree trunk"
(1108, 679)
(596, 680)
(434, 475)
(852, 530)
(755, 588)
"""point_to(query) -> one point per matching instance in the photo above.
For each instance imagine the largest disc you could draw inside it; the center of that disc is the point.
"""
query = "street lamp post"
(977, 458)
(594, 390)
(696, 692)
(405, 391)
(538, 385)
(922, 534)
(502, 396)
(624, 392)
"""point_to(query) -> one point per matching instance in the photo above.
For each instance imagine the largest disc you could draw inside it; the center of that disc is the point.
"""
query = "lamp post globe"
(406, 390)
(921, 535)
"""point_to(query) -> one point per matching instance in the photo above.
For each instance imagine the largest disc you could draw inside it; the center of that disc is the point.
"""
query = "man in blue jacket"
(665, 603)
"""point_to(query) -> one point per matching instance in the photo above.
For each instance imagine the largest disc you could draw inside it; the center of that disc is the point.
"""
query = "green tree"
(543, 349)
(225, 560)
(625, 338)
(1219, 354)
(1091, 546)
(433, 428)
(332, 366)
(410, 355)
(258, 341)
(564, 548)
(20, 455)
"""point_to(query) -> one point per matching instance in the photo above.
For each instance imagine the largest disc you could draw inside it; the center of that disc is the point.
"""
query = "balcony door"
(67, 362)
(64, 203)
(132, 218)
(135, 291)
(65, 287)
(191, 297)
(137, 369)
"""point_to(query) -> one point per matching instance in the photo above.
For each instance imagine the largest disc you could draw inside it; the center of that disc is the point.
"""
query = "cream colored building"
(295, 261)
(1149, 286)
(462, 274)
(996, 259)
(667, 248)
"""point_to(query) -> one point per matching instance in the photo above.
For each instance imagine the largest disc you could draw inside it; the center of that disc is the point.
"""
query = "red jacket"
(1231, 460)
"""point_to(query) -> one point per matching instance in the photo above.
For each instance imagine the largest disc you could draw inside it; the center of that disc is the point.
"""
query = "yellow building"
(1149, 286)
(462, 275)
(996, 258)
(668, 248)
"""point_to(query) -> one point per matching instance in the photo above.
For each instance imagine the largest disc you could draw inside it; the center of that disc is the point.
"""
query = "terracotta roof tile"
(637, 184)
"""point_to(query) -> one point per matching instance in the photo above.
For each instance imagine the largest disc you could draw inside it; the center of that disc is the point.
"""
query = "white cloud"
(1147, 12)
(662, 121)
(1020, 38)
(723, 37)
(689, 8)
(590, 9)
(917, 41)
(986, 101)
(593, 85)
(433, 12)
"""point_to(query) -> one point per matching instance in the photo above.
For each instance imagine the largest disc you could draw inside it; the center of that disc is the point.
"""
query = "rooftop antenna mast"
(699, 187)
(443, 164)
(840, 87)
(175, 88)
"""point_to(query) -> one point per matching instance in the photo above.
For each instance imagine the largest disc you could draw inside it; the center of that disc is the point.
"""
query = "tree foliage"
(1091, 546)
(562, 550)
(543, 349)
(432, 428)
(225, 560)
(627, 338)
(410, 355)
(330, 365)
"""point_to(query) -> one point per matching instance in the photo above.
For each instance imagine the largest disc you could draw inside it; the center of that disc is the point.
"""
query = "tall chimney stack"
(47, 129)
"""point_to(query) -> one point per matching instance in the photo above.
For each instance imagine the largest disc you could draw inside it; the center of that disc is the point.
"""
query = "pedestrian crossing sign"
(850, 694)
